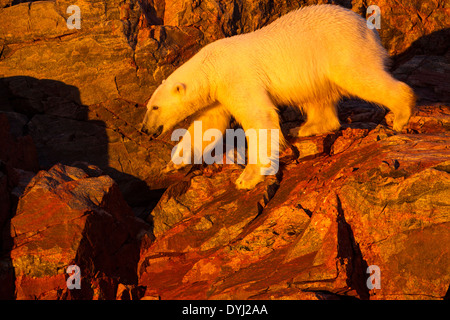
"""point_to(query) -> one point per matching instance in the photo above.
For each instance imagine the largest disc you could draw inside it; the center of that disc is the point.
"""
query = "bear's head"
(164, 108)
(187, 90)
(183, 93)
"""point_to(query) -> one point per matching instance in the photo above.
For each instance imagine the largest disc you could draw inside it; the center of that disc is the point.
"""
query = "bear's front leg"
(261, 125)
(171, 166)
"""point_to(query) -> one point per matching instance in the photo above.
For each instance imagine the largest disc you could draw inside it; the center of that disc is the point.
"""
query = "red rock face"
(75, 171)
(65, 217)
(378, 201)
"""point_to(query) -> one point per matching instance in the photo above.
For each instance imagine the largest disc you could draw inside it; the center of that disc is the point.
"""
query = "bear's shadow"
(53, 114)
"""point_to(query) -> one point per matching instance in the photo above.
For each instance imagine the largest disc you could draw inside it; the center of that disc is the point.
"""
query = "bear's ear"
(179, 88)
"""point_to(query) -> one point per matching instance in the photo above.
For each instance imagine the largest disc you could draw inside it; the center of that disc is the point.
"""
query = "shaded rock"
(17, 123)
(129, 292)
(17, 157)
(66, 217)
(428, 75)
(18, 152)
(5, 202)
(19, 180)
(355, 112)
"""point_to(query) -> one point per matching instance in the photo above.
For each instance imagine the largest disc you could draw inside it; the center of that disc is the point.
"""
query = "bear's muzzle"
(153, 133)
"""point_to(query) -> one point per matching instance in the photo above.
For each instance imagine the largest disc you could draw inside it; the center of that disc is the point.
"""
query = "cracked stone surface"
(383, 200)
(67, 217)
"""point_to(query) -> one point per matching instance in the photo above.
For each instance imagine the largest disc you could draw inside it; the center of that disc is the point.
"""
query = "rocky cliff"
(79, 184)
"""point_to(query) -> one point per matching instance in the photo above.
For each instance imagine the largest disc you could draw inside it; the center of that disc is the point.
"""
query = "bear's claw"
(249, 178)
(172, 167)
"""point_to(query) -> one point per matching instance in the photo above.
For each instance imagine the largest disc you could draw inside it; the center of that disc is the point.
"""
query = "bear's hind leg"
(321, 117)
(381, 88)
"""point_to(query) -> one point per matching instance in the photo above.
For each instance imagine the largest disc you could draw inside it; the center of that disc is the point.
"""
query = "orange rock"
(66, 217)
(361, 196)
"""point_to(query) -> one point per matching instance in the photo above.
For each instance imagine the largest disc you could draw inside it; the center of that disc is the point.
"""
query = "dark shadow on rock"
(18, 164)
(447, 294)
(435, 43)
(425, 66)
(63, 132)
(7, 275)
(153, 11)
(349, 251)
(52, 113)
(109, 251)
(14, 2)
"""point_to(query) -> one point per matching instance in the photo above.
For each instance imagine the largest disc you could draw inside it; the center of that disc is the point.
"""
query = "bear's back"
(299, 52)
(317, 17)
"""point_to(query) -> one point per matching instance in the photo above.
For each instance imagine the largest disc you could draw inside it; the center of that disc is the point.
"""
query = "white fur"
(308, 58)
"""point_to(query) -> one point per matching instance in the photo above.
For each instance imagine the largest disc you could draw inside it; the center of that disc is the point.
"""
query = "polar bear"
(308, 58)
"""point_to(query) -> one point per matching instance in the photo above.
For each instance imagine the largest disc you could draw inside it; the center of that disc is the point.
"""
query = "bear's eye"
(155, 108)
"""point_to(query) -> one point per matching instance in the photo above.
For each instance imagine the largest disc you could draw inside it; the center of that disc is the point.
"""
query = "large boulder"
(67, 217)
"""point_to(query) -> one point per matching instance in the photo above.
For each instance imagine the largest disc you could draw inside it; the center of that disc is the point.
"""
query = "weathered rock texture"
(71, 102)
(66, 217)
(377, 199)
